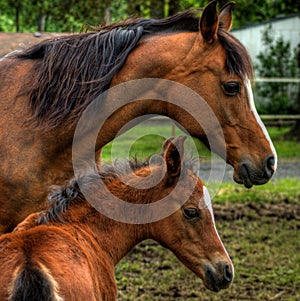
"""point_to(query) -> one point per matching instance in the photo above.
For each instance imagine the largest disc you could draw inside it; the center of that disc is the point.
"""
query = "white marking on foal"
(253, 109)
(48, 275)
(52, 281)
(11, 287)
(208, 204)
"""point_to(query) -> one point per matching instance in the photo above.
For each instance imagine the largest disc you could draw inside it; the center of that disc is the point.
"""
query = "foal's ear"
(209, 22)
(225, 16)
(172, 156)
(166, 144)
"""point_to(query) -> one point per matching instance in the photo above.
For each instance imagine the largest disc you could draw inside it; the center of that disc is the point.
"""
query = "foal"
(69, 252)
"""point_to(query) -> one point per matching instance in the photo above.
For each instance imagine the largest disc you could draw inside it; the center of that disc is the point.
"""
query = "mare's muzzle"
(249, 176)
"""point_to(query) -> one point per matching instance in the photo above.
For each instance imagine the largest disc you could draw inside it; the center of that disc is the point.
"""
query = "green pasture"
(274, 192)
(259, 227)
(144, 140)
(147, 139)
(286, 148)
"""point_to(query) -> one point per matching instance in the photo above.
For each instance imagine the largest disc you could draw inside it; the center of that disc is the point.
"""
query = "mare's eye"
(231, 88)
(191, 212)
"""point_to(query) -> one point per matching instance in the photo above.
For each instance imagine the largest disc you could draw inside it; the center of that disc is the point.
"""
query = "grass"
(147, 139)
(279, 191)
(285, 148)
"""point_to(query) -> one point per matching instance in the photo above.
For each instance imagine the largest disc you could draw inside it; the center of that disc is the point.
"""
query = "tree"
(157, 9)
(294, 133)
(70, 15)
(278, 60)
(174, 7)
(15, 5)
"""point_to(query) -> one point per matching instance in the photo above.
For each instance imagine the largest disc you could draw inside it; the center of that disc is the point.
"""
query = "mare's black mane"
(71, 71)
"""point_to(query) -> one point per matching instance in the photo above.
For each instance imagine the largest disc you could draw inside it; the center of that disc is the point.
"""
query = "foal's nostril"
(227, 273)
(269, 164)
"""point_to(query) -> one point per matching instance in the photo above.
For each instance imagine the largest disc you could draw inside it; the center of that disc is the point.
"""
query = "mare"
(45, 89)
(69, 252)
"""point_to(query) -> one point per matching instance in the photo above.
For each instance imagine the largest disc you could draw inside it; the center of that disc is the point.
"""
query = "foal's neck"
(115, 238)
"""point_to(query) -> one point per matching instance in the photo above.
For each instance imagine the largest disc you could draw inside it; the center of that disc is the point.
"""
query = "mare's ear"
(225, 16)
(172, 156)
(209, 22)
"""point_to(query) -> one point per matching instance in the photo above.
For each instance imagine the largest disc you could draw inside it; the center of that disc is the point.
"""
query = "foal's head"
(190, 231)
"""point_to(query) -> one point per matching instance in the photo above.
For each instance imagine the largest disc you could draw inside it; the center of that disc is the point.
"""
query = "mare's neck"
(155, 57)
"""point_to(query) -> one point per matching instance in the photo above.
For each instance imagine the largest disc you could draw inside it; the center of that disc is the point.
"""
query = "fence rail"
(277, 80)
(269, 120)
(280, 120)
(280, 117)
(263, 117)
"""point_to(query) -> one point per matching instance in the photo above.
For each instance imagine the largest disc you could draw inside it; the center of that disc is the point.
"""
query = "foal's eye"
(191, 212)
(231, 88)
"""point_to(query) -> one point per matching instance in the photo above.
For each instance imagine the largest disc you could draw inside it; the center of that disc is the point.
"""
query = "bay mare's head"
(220, 71)
(209, 60)
(199, 53)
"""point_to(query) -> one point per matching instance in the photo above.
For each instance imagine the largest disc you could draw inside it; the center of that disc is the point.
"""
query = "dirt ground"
(13, 41)
(252, 211)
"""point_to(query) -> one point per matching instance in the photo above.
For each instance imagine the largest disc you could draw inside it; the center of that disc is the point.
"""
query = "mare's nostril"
(227, 273)
(269, 163)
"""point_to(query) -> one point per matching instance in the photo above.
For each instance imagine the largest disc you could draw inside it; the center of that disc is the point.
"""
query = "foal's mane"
(62, 197)
(73, 70)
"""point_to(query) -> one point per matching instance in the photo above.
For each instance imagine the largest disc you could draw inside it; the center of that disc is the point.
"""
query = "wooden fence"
(269, 120)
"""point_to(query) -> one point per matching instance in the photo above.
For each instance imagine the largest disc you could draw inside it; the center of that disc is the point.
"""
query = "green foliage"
(6, 23)
(70, 15)
(276, 60)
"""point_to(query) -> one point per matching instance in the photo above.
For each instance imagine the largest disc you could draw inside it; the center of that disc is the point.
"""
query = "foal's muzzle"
(218, 278)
